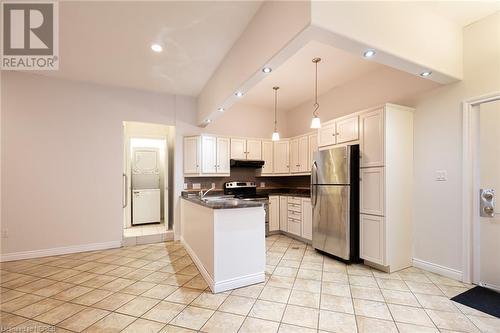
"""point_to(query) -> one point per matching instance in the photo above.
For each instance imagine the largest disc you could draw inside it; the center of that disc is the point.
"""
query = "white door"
(372, 138)
(294, 156)
(283, 213)
(223, 152)
(306, 218)
(267, 157)
(489, 222)
(192, 155)
(313, 147)
(347, 129)
(282, 156)
(327, 135)
(209, 154)
(274, 213)
(303, 154)
(238, 149)
(372, 191)
(254, 150)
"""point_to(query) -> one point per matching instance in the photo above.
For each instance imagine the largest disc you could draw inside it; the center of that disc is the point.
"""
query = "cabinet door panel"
(283, 213)
(303, 154)
(282, 156)
(238, 149)
(327, 135)
(347, 129)
(306, 218)
(192, 155)
(223, 151)
(274, 213)
(267, 157)
(209, 154)
(372, 191)
(313, 147)
(372, 238)
(372, 138)
(254, 150)
(294, 156)
(294, 227)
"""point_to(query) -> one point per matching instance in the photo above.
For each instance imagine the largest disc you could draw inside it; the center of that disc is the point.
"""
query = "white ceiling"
(462, 12)
(295, 77)
(337, 69)
(109, 42)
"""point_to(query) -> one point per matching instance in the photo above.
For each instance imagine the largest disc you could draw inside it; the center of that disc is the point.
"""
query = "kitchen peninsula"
(225, 237)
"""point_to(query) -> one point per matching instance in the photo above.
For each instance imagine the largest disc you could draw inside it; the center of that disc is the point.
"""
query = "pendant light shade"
(276, 135)
(315, 121)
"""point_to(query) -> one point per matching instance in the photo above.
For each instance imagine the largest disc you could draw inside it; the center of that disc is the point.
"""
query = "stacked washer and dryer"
(146, 195)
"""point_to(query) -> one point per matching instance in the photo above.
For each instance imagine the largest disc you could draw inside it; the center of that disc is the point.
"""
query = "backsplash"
(248, 175)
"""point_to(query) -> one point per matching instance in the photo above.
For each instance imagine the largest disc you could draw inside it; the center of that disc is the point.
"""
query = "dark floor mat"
(482, 299)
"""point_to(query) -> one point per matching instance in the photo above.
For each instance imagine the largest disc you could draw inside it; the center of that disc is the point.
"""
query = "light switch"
(441, 175)
(196, 186)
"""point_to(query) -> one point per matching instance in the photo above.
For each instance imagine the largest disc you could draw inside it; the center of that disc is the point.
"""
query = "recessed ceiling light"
(369, 53)
(220, 109)
(239, 93)
(156, 47)
(426, 73)
(267, 69)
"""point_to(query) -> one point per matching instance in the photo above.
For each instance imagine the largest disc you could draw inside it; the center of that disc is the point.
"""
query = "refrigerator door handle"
(314, 182)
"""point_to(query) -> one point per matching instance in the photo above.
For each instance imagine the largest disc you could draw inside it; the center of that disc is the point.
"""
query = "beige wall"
(438, 146)
(62, 158)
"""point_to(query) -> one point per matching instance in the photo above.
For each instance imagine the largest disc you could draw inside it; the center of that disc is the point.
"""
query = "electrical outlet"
(196, 186)
(262, 184)
(441, 175)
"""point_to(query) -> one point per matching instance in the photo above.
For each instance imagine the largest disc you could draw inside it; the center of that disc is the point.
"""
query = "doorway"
(481, 190)
(147, 178)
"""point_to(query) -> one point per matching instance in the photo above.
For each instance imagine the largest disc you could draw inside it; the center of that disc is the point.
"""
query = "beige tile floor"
(156, 288)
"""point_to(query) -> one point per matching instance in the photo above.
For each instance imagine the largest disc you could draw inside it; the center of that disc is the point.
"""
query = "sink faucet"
(203, 194)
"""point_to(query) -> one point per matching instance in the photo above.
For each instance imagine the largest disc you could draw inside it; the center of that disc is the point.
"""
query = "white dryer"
(145, 206)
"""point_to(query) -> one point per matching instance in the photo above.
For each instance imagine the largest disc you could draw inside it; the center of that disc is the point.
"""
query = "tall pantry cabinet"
(386, 186)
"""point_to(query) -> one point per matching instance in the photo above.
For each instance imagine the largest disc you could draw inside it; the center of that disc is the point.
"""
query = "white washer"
(145, 206)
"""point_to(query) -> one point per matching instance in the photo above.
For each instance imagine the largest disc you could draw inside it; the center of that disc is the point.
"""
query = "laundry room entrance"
(147, 175)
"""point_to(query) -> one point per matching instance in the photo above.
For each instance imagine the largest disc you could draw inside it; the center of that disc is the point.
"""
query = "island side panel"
(197, 229)
(240, 247)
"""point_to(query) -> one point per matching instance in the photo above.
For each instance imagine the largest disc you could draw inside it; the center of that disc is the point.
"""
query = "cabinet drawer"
(294, 215)
(294, 207)
(294, 226)
(294, 200)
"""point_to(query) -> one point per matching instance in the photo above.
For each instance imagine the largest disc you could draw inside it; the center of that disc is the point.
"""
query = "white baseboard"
(438, 269)
(59, 250)
(225, 285)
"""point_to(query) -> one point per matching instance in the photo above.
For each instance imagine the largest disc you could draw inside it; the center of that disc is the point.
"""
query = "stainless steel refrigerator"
(335, 202)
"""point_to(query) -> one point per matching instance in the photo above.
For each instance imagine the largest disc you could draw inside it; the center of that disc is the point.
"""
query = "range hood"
(246, 164)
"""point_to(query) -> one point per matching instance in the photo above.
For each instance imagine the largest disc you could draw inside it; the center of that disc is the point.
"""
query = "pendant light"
(315, 121)
(276, 135)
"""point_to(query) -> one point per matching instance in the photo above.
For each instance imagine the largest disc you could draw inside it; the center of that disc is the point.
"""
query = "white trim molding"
(438, 269)
(59, 251)
(470, 183)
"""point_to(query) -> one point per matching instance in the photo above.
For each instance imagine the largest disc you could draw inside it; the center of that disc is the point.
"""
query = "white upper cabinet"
(192, 150)
(282, 156)
(347, 129)
(209, 154)
(223, 154)
(267, 157)
(254, 150)
(304, 154)
(372, 138)
(313, 147)
(294, 155)
(327, 134)
(238, 149)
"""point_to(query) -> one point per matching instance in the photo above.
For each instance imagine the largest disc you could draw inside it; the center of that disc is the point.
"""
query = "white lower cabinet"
(372, 191)
(306, 218)
(274, 213)
(372, 238)
(294, 226)
(283, 213)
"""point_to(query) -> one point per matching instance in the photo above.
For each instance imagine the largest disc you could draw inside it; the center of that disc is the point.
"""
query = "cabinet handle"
(337, 133)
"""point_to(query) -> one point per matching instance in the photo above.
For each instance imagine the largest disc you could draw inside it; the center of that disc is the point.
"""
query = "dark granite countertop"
(303, 192)
(228, 203)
